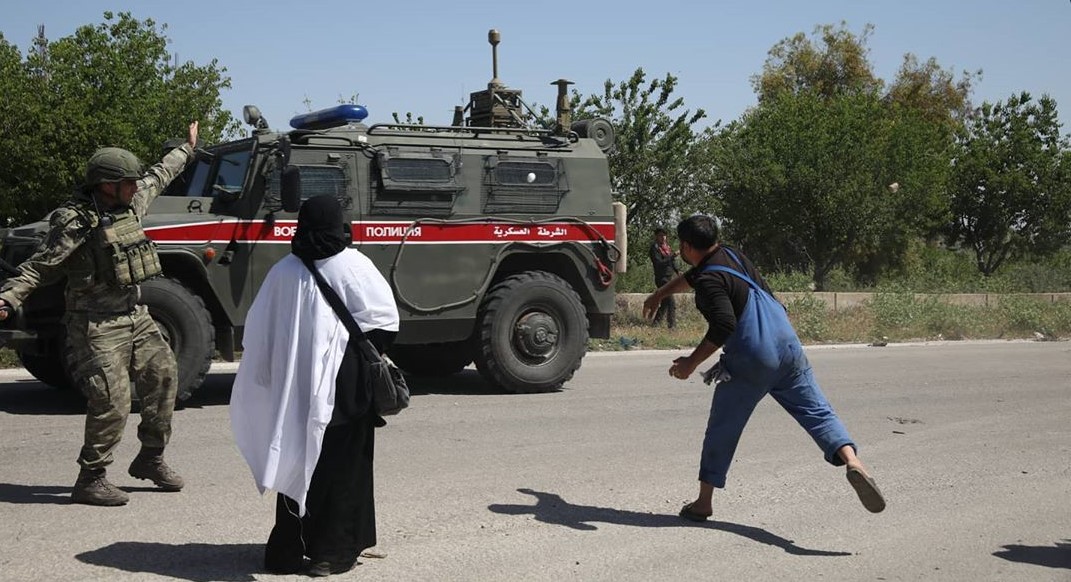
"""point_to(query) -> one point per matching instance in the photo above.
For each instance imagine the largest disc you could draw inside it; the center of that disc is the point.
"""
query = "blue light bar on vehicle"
(330, 117)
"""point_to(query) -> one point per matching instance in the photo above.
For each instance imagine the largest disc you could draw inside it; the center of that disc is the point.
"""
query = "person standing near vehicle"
(664, 262)
(301, 410)
(96, 241)
(762, 355)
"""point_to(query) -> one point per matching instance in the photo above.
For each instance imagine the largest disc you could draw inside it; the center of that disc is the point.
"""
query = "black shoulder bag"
(390, 394)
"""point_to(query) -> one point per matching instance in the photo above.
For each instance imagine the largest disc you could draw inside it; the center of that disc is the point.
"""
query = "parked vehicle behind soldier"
(97, 242)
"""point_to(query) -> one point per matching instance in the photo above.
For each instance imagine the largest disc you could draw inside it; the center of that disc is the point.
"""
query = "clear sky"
(426, 56)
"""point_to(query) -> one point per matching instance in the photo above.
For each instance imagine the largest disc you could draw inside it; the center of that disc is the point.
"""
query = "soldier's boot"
(93, 488)
(149, 464)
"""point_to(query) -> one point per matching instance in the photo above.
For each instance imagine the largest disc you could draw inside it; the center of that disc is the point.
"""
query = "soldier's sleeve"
(67, 231)
(159, 176)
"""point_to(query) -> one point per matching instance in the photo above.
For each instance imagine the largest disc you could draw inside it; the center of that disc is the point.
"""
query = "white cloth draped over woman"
(293, 344)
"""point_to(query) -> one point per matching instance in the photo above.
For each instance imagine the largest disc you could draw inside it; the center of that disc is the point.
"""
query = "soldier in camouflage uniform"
(97, 242)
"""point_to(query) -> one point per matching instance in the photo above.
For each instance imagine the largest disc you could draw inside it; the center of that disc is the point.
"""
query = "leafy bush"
(639, 278)
(905, 315)
(1028, 315)
(790, 282)
(810, 316)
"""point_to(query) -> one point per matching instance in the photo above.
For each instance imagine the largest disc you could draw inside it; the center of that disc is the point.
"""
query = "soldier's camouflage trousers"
(105, 355)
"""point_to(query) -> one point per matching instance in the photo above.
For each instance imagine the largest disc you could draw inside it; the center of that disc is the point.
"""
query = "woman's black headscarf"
(321, 229)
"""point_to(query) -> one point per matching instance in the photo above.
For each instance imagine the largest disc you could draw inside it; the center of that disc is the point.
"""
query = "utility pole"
(40, 48)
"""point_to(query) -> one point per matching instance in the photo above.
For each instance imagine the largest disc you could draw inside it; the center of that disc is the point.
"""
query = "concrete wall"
(631, 303)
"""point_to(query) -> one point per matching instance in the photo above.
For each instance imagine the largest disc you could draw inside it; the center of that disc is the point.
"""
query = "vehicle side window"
(230, 177)
(415, 182)
(315, 181)
(531, 185)
(198, 179)
(191, 182)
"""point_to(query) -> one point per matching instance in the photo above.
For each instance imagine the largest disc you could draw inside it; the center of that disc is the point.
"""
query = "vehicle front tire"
(531, 333)
(186, 326)
(45, 361)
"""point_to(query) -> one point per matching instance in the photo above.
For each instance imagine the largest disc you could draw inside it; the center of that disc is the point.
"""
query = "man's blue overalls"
(763, 355)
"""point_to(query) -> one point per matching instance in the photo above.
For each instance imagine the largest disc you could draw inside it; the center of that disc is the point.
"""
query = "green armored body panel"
(499, 239)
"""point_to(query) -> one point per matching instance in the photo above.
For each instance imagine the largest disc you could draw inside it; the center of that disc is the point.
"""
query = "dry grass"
(888, 317)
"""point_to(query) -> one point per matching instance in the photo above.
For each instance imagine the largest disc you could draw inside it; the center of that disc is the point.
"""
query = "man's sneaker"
(151, 466)
(93, 488)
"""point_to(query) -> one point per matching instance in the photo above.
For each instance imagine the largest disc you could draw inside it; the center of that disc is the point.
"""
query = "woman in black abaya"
(340, 521)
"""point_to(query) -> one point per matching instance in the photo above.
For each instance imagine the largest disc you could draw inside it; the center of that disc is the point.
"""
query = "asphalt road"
(970, 442)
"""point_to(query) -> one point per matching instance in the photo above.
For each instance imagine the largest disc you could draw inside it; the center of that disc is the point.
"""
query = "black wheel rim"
(536, 336)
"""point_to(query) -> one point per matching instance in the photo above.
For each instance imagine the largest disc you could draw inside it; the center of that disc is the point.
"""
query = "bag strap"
(735, 258)
(343, 314)
(742, 276)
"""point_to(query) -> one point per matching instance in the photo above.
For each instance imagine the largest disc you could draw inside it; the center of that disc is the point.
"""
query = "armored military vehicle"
(499, 238)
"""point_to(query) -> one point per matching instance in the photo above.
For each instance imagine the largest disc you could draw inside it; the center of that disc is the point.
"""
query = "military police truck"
(499, 238)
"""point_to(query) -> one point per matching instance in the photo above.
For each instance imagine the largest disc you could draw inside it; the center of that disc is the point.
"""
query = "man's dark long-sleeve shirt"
(665, 266)
(722, 297)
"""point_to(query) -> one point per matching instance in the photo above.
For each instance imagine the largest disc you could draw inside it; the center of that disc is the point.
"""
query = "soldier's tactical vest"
(123, 255)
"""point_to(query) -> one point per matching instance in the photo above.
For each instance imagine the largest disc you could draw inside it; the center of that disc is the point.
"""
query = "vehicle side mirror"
(291, 188)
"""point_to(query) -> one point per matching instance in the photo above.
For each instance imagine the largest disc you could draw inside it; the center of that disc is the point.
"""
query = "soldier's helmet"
(112, 165)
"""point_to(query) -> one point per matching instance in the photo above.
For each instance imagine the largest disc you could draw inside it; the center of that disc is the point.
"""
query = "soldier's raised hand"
(192, 136)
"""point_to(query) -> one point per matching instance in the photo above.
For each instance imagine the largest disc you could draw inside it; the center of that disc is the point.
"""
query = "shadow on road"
(551, 508)
(1058, 556)
(33, 397)
(216, 391)
(466, 382)
(43, 494)
(50, 494)
(196, 562)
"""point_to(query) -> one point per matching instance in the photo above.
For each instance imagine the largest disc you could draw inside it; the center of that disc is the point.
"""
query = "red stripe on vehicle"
(281, 231)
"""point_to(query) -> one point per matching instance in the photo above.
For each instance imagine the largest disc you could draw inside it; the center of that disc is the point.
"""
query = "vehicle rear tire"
(531, 333)
(45, 361)
(186, 326)
(433, 360)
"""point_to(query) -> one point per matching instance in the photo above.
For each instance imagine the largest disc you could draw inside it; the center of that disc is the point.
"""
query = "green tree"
(833, 62)
(833, 170)
(820, 182)
(933, 91)
(657, 166)
(1011, 183)
(107, 84)
(20, 140)
(409, 118)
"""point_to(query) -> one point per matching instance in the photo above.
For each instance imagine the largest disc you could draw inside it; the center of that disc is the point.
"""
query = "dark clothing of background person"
(665, 265)
(664, 262)
(721, 297)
